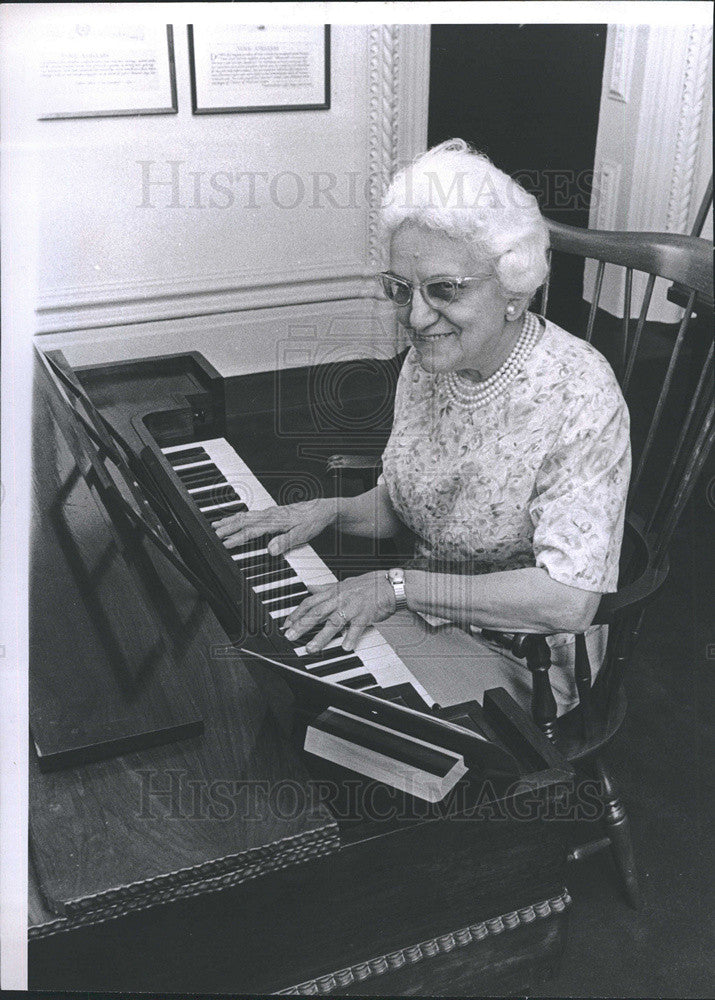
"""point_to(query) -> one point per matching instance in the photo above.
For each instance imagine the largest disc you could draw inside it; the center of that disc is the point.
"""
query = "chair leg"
(543, 704)
(618, 828)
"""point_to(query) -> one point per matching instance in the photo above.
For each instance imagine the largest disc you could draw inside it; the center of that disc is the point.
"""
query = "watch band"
(396, 578)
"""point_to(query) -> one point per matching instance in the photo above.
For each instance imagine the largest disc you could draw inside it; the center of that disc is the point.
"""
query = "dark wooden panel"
(378, 895)
(101, 671)
(96, 649)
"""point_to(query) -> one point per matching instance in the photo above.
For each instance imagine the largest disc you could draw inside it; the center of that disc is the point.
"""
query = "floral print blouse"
(537, 476)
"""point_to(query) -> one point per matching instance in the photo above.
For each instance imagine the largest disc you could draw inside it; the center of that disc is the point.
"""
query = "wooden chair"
(672, 434)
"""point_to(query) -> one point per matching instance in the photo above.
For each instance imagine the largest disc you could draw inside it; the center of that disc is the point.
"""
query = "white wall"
(654, 145)
(114, 252)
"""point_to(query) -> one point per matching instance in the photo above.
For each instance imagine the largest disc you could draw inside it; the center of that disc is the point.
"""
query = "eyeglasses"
(437, 292)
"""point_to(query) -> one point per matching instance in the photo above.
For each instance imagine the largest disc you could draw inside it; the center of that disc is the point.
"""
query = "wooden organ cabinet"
(181, 838)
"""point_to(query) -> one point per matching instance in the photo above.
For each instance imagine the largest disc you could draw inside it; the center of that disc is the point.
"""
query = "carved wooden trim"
(412, 954)
(670, 120)
(690, 127)
(221, 873)
(384, 68)
(624, 42)
(609, 183)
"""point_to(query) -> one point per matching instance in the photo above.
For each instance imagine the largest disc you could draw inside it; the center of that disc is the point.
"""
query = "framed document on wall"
(97, 69)
(239, 68)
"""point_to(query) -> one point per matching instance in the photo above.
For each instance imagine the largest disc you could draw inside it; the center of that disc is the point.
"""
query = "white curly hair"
(456, 190)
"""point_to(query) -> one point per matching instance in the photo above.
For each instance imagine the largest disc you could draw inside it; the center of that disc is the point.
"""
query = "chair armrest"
(637, 592)
(354, 474)
(336, 462)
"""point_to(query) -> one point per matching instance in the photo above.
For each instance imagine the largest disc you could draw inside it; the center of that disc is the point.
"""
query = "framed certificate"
(238, 68)
(97, 69)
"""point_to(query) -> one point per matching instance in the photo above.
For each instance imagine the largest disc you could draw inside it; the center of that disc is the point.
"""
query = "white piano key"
(219, 506)
(192, 465)
(298, 597)
(202, 489)
(346, 675)
(282, 612)
(238, 556)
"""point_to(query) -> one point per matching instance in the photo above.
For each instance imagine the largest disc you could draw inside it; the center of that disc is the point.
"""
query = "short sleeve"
(579, 502)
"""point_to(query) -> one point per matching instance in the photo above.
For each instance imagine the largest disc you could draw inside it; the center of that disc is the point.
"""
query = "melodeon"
(182, 837)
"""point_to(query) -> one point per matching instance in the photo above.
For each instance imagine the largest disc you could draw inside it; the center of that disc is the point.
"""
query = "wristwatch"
(396, 578)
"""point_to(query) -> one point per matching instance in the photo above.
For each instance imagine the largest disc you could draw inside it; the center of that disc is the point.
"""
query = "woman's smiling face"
(467, 335)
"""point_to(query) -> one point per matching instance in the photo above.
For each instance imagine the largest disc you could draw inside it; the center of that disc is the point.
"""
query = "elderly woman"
(509, 455)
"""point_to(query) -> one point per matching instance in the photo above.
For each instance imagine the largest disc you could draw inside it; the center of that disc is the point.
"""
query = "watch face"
(396, 576)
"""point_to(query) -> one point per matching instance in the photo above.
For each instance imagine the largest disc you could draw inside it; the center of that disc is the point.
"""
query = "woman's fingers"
(288, 526)
(355, 630)
(309, 612)
(243, 527)
(292, 538)
(327, 632)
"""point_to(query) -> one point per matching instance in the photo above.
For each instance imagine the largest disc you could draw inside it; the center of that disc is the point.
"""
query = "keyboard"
(219, 483)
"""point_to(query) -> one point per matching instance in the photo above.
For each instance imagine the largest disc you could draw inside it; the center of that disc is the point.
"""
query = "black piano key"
(211, 497)
(207, 476)
(255, 543)
(296, 588)
(186, 455)
(349, 663)
(214, 495)
(324, 654)
(310, 634)
(360, 681)
(218, 515)
(196, 470)
(306, 636)
(272, 576)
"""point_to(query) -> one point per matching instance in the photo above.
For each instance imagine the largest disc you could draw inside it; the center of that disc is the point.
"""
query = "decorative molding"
(237, 343)
(609, 184)
(695, 89)
(657, 117)
(119, 304)
(624, 44)
(189, 285)
(334, 982)
(413, 91)
(222, 873)
(383, 76)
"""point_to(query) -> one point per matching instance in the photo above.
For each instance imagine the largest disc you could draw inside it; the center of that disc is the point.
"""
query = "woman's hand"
(289, 526)
(356, 603)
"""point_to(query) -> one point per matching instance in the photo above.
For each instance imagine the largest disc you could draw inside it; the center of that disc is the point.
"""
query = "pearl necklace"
(471, 395)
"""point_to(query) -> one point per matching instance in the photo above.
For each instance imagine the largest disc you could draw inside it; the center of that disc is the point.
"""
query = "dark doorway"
(527, 96)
